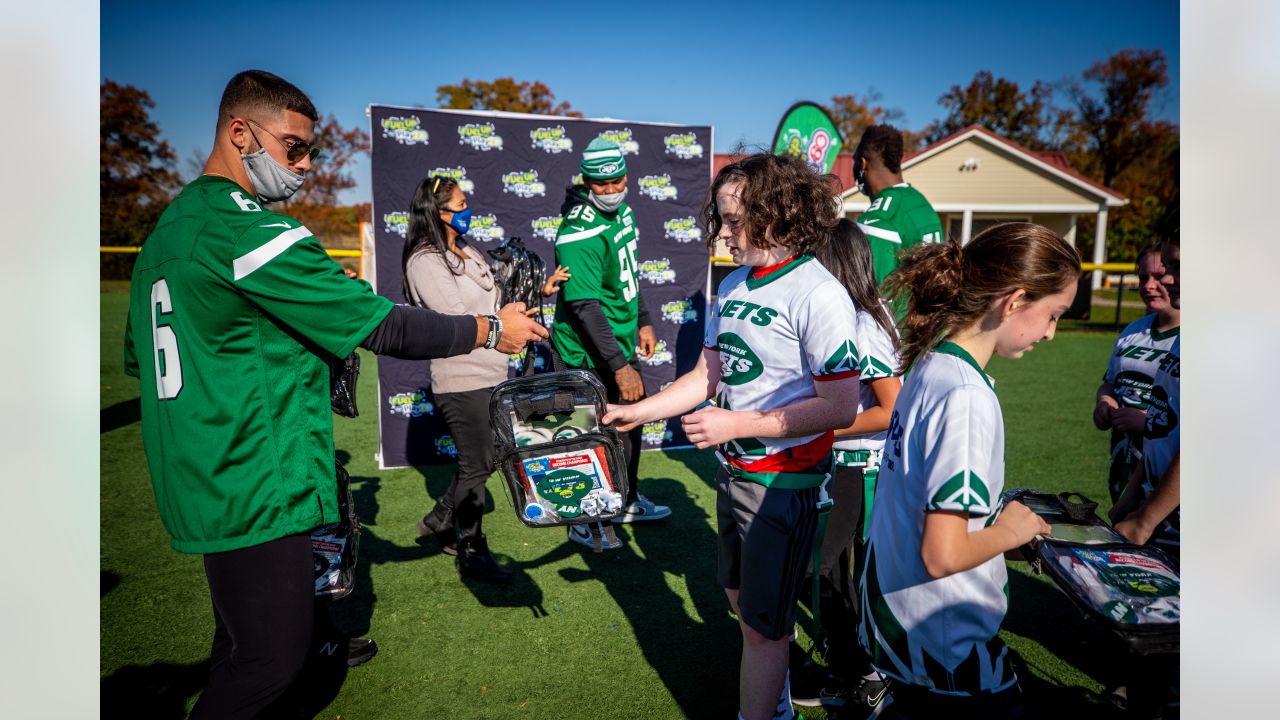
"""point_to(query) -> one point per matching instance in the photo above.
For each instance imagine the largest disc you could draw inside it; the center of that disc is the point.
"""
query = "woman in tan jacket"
(445, 273)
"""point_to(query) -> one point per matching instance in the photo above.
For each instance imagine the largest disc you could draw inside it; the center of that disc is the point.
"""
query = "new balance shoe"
(642, 510)
(592, 533)
(360, 651)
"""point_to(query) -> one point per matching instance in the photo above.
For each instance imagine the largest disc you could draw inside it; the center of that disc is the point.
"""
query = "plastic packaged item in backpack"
(1132, 590)
(334, 546)
(561, 465)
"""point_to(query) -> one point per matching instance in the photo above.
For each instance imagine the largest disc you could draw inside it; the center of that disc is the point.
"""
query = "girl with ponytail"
(933, 586)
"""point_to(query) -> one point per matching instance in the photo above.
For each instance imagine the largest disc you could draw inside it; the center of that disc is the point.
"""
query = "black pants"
(263, 608)
(837, 584)
(467, 414)
(631, 441)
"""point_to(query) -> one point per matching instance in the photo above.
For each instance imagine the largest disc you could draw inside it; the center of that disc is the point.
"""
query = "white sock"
(784, 711)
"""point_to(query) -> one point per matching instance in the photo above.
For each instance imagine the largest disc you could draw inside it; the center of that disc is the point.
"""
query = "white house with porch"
(975, 179)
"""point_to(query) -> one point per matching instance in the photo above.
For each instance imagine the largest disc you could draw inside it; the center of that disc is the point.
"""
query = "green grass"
(639, 633)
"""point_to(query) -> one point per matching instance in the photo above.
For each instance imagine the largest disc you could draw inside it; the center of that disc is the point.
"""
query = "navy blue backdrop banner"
(514, 169)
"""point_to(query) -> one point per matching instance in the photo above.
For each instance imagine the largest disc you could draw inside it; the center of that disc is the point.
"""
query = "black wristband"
(495, 332)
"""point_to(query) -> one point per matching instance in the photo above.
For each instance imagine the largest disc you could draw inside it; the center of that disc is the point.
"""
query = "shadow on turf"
(695, 656)
(114, 417)
(1039, 611)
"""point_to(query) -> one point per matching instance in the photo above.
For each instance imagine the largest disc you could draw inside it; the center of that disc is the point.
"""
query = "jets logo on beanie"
(603, 160)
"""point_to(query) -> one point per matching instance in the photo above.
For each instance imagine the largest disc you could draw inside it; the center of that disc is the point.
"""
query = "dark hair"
(426, 230)
(1151, 249)
(258, 92)
(848, 256)
(949, 288)
(883, 142)
(780, 195)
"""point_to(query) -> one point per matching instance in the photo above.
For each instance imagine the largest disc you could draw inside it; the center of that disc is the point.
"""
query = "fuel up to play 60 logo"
(679, 311)
(485, 228)
(410, 404)
(456, 174)
(682, 229)
(546, 227)
(658, 187)
(551, 139)
(480, 136)
(657, 272)
(623, 138)
(683, 145)
(406, 130)
(396, 222)
(523, 183)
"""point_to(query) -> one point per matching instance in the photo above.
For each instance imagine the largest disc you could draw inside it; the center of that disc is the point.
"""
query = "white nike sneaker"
(642, 510)
(588, 534)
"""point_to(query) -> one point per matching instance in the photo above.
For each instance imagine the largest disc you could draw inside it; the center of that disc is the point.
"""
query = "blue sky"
(737, 66)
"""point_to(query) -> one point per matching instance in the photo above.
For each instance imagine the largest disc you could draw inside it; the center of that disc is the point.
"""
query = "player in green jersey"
(600, 313)
(899, 217)
(234, 313)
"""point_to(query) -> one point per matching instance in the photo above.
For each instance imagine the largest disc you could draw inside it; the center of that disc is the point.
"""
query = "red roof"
(843, 168)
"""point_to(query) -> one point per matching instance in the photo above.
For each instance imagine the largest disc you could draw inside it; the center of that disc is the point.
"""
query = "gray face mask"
(610, 202)
(271, 181)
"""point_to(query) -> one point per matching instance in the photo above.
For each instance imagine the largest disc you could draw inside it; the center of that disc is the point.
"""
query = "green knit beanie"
(603, 160)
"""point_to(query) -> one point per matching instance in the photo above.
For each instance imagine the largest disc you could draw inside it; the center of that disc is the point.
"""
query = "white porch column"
(1100, 245)
(966, 227)
(1071, 232)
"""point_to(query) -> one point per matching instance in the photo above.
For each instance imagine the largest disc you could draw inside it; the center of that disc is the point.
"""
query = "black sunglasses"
(294, 151)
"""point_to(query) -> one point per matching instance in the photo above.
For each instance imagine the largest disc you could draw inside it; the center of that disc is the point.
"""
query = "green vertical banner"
(806, 132)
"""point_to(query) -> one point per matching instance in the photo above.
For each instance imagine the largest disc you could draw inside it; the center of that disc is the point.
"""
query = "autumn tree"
(998, 104)
(316, 205)
(503, 94)
(1113, 106)
(137, 175)
(852, 115)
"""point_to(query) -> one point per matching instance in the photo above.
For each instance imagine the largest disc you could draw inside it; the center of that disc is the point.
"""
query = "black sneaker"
(871, 697)
(439, 524)
(475, 562)
(360, 651)
(806, 686)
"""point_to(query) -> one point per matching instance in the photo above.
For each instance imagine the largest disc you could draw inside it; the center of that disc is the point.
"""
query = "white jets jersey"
(876, 359)
(779, 331)
(1138, 353)
(1161, 442)
(945, 451)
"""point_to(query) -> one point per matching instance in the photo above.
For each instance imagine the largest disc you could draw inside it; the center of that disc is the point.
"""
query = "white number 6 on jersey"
(164, 343)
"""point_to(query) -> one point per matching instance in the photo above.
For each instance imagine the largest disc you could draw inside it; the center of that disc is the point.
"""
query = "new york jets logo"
(1161, 418)
(964, 491)
(738, 363)
(844, 359)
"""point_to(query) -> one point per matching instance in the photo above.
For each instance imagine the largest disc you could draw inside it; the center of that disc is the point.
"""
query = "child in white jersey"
(1140, 350)
(934, 585)
(780, 358)
(850, 682)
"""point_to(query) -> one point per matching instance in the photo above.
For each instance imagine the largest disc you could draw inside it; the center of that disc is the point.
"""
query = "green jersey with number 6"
(234, 311)
(600, 251)
(899, 219)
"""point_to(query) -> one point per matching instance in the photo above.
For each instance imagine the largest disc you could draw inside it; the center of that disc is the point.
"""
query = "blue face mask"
(461, 221)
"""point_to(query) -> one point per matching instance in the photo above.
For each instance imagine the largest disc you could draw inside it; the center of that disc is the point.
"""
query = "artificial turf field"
(643, 632)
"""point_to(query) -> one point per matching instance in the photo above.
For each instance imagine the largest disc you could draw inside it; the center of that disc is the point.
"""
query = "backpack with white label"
(562, 466)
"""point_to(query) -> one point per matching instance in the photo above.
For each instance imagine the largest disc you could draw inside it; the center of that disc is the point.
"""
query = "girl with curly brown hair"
(780, 359)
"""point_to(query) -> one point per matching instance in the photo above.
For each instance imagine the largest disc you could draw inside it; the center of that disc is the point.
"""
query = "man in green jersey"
(600, 314)
(899, 217)
(234, 313)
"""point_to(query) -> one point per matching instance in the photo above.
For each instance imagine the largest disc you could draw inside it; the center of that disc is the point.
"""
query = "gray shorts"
(765, 546)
